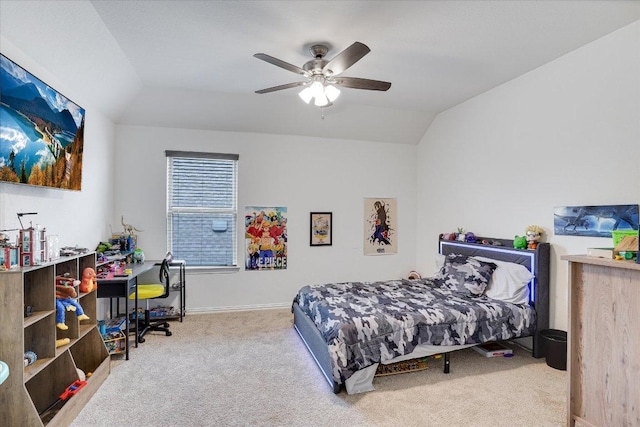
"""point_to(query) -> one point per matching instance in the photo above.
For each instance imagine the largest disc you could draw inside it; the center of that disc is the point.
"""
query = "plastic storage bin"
(554, 348)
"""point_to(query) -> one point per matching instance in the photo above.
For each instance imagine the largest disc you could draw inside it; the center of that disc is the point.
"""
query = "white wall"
(567, 133)
(302, 173)
(564, 134)
(77, 217)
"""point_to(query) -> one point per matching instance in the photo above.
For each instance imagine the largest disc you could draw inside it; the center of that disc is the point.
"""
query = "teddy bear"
(65, 300)
(88, 282)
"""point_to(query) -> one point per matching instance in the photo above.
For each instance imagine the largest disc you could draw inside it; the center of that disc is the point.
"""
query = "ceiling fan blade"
(280, 63)
(357, 83)
(281, 87)
(346, 59)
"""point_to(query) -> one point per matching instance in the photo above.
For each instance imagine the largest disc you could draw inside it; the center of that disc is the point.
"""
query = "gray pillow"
(465, 275)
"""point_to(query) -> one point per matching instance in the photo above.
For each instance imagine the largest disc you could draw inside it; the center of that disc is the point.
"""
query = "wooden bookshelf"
(30, 390)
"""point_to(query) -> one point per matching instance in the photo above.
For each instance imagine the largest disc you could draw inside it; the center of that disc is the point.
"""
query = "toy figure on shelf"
(89, 282)
(62, 341)
(533, 234)
(520, 242)
(65, 300)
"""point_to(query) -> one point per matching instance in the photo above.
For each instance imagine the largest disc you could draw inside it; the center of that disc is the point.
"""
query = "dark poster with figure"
(380, 226)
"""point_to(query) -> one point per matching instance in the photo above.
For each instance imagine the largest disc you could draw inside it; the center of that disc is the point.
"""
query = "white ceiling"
(190, 63)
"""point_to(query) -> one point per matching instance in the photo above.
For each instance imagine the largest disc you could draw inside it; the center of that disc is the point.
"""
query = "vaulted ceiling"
(190, 64)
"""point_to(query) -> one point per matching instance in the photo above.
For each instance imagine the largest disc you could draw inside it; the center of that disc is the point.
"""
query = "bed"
(349, 328)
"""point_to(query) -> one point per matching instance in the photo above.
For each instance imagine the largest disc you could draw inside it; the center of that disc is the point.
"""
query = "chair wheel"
(140, 340)
(168, 333)
(166, 325)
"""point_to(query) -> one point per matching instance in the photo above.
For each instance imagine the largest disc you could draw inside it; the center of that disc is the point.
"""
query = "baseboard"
(205, 310)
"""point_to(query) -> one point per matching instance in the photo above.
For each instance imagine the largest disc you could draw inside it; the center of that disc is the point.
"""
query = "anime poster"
(380, 226)
(265, 238)
(594, 221)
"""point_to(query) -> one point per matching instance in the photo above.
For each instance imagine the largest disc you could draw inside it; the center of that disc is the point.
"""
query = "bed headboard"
(536, 260)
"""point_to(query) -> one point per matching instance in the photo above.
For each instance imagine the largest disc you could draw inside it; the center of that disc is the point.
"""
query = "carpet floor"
(251, 369)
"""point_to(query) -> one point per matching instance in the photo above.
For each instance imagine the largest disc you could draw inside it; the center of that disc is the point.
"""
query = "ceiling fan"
(322, 76)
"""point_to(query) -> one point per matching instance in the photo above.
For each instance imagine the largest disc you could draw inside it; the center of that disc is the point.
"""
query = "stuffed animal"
(65, 300)
(520, 242)
(89, 282)
(449, 236)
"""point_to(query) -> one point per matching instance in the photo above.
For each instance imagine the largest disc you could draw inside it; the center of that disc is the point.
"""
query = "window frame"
(233, 210)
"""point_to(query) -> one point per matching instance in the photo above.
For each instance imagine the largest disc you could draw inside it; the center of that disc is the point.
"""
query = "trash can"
(554, 348)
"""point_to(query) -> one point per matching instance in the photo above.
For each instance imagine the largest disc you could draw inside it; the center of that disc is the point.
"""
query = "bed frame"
(537, 261)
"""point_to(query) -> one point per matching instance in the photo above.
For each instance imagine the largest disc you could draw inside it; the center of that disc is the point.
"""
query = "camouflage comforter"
(366, 323)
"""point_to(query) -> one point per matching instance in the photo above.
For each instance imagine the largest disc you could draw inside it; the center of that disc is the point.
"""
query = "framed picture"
(321, 229)
(42, 137)
(380, 226)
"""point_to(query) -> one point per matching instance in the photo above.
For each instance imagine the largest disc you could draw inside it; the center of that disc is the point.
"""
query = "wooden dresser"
(603, 357)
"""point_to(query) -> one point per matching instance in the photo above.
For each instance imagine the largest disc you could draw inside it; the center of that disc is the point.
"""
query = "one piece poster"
(380, 226)
(595, 221)
(265, 238)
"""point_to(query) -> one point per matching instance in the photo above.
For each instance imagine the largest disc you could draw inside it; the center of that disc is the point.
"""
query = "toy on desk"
(65, 300)
(128, 228)
(89, 281)
(533, 234)
(138, 256)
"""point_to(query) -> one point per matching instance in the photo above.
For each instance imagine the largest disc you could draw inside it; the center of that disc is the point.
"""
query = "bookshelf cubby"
(30, 390)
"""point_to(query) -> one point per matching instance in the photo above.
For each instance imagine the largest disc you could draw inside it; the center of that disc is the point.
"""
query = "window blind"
(202, 208)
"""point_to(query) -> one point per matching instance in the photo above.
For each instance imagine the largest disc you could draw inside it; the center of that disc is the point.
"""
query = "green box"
(618, 235)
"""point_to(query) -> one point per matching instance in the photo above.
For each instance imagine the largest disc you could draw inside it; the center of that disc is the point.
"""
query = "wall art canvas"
(265, 238)
(380, 226)
(321, 229)
(594, 221)
(41, 132)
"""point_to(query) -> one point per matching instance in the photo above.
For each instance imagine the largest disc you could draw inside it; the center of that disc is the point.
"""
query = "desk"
(117, 285)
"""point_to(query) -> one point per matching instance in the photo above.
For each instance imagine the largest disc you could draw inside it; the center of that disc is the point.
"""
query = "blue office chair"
(150, 291)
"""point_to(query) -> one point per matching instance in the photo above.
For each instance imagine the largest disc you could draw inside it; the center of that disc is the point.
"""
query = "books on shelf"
(493, 349)
(607, 253)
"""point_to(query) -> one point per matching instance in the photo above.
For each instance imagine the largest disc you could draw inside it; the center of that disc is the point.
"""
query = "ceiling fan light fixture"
(317, 89)
(332, 92)
(320, 74)
(321, 100)
(306, 94)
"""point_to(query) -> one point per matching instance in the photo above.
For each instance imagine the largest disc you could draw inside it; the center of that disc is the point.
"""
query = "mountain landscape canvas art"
(41, 132)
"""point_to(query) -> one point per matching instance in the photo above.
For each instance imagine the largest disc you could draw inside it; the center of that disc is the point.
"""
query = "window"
(202, 208)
